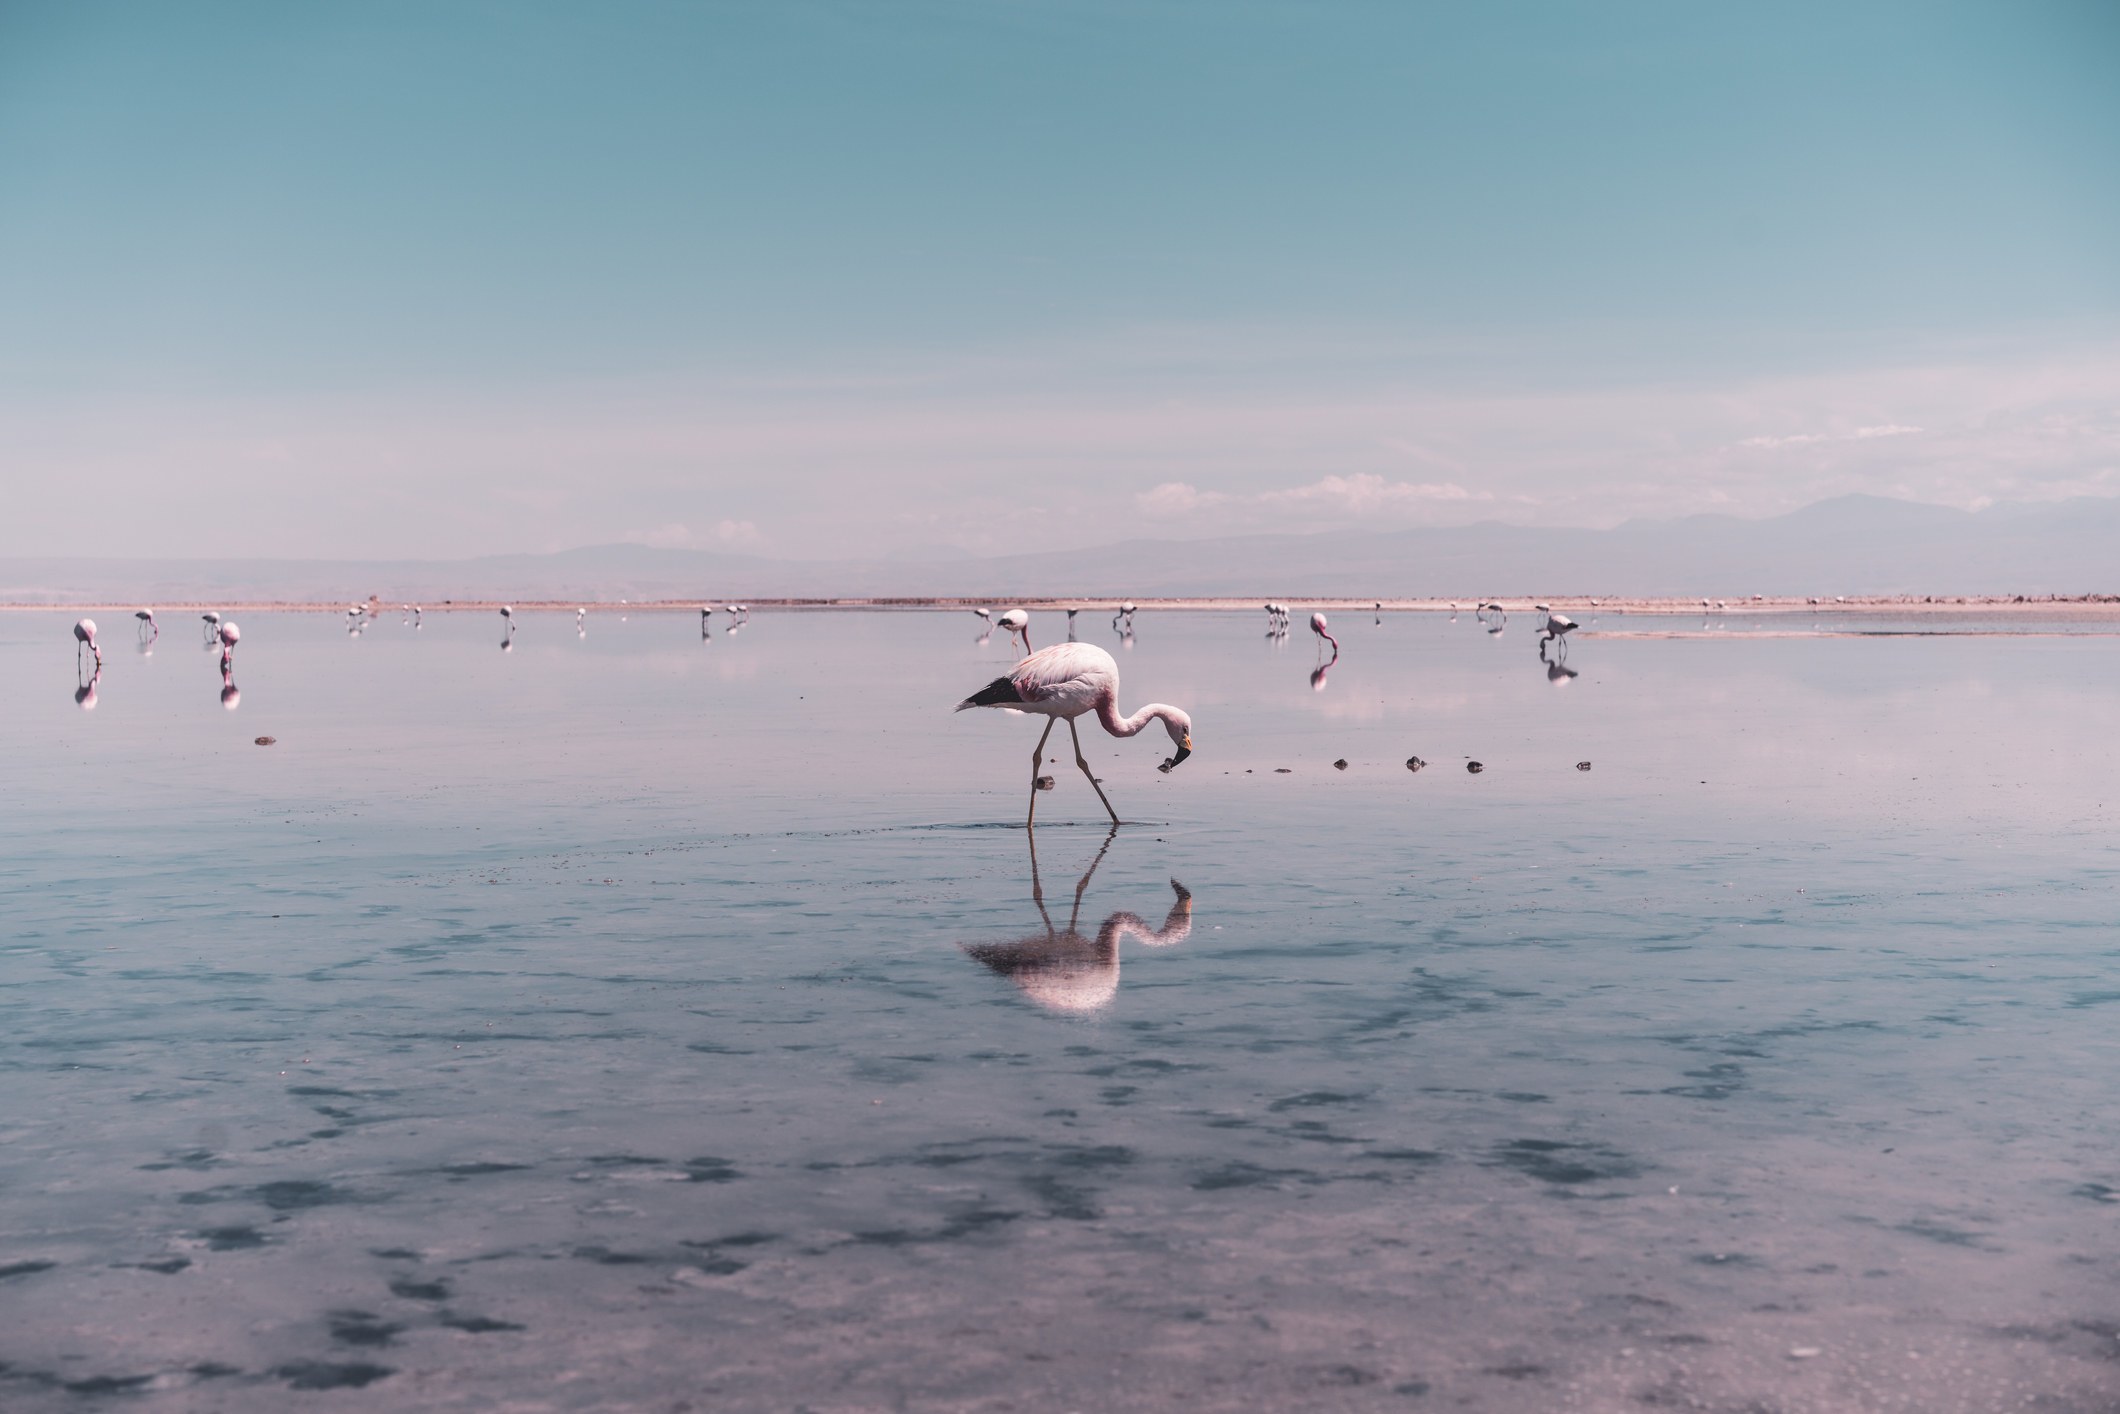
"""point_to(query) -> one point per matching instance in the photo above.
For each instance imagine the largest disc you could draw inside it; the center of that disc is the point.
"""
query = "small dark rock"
(1582, 765)
(1474, 767)
(1046, 783)
(1340, 765)
(267, 740)
(1281, 770)
(1414, 763)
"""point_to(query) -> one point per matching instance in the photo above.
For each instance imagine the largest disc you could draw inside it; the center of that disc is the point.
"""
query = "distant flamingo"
(1018, 624)
(1317, 677)
(230, 635)
(212, 622)
(1556, 624)
(148, 627)
(1062, 683)
(85, 636)
(984, 614)
(1125, 616)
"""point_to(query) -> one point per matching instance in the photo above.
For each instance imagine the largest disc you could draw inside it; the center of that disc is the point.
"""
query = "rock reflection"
(1063, 969)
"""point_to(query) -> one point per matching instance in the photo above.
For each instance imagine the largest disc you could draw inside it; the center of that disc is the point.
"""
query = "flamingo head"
(1180, 728)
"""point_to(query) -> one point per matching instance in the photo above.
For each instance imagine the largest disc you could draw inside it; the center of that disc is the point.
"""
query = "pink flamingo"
(1064, 682)
(229, 635)
(1317, 626)
(1018, 624)
(85, 634)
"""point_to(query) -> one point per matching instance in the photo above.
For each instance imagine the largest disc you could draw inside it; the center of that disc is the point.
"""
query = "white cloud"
(1367, 494)
(1804, 439)
(1328, 500)
(739, 533)
(1175, 498)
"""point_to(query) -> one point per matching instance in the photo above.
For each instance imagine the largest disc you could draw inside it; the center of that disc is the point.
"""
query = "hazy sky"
(441, 277)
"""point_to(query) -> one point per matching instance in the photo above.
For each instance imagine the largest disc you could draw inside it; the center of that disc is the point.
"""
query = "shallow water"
(633, 1021)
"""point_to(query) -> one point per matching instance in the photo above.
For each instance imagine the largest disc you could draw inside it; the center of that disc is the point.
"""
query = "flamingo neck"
(1108, 716)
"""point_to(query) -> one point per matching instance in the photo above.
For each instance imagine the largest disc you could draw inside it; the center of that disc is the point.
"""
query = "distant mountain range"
(1850, 545)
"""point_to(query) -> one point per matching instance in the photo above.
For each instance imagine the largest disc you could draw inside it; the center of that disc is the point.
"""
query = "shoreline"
(2090, 606)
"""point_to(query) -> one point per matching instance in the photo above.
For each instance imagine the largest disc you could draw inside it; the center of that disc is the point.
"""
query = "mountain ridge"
(1855, 544)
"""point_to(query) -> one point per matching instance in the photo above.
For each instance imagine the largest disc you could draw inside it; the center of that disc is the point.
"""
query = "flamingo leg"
(1092, 781)
(1037, 760)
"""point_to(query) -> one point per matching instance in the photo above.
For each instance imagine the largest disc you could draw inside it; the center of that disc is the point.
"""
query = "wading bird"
(229, 636)
(1125, 618)
(1062, 683)
(1556, 624)
(1317, 676)
(149, 629)
(212, 623)
(1317, 626)
(1018, 624)
(85, 637)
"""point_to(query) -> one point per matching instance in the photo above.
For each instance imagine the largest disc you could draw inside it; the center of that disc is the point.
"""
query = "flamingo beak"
(1184, 750)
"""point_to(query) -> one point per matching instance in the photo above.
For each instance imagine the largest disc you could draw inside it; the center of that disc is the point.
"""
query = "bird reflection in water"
(1494, 617)
(1066, 971)
(85, 693)
(231, 695)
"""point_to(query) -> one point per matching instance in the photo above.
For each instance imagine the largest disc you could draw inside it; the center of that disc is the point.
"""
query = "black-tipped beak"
(1183, 752)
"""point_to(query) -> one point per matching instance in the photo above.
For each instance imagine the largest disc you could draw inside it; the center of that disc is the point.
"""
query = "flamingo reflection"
(1064, 970)
(85, 693)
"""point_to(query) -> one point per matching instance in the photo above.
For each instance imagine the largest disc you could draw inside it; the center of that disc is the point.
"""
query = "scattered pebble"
(1474, 767)
(1804, 1352)
(1340, 765)
(1414, 763)
(267, 740)
(1582, 765)
(1046, 783)
(1281, 770)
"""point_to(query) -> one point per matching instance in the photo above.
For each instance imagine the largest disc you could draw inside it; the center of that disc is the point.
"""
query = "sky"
(829, 278)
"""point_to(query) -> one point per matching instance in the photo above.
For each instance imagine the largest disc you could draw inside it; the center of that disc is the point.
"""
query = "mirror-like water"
(630, 1020)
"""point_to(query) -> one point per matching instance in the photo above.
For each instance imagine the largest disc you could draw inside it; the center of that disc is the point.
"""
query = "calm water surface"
(630, 1021)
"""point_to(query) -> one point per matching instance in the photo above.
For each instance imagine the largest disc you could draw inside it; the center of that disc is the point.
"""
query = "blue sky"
(827, 278)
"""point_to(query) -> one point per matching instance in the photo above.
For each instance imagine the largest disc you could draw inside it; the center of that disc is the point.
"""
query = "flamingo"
(1126, 613)
(147, 623)
(1018, 624)
(85, 634)
(229, 636)
(984, 614)
(415, 616)
(212, 621)
(1317, 626)
(1556, 624)
(508, 614)
(1071, 624)
(1062, 683)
